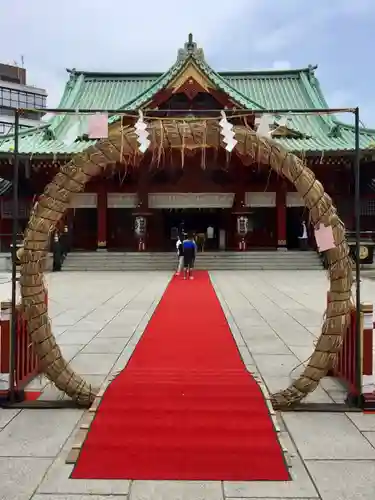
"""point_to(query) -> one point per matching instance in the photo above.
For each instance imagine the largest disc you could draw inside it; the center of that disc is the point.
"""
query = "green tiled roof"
(250, 90)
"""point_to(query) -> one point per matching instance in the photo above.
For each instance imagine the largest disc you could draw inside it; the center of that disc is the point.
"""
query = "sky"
(144, 35)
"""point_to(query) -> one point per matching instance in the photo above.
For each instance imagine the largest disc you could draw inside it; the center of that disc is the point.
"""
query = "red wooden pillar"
(102, 219)
(281, 214)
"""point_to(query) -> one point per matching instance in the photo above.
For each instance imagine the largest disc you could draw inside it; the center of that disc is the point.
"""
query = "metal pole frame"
(68, 404)
(155, 113)
(13, 327)
(357, 215)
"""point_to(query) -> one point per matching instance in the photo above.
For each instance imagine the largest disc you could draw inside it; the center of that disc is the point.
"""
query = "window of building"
(5, 128)
(20, 99)
(9, 79)
(4, 97)
(6, 112)
(30, 100)
(40, 101)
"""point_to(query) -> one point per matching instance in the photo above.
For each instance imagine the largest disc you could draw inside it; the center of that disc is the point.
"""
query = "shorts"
(188, 262)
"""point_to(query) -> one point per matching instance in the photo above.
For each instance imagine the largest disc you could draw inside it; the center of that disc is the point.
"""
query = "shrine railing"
(354, 364)
(26, 365)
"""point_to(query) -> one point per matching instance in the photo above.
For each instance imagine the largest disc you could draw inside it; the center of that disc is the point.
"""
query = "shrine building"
(170, 195)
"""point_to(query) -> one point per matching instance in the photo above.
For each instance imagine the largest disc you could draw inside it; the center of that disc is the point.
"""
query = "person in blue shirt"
(189, 252)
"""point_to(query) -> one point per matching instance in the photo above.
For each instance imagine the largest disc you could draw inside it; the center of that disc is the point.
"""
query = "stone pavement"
(275, 318)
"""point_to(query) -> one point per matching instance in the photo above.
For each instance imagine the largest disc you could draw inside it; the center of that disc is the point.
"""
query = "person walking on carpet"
(189, 252)
(180, 255)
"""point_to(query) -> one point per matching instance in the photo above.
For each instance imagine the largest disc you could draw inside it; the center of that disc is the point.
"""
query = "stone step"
(201, 263)
(173, 262)
(167, 261)
(202, 254)
(202, 257)
(207, 268)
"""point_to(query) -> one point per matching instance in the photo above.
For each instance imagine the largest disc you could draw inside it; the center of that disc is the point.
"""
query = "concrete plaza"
(275, 317)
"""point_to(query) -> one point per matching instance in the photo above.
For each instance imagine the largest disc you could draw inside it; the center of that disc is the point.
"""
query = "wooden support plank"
(72, 456)
(84, 426)
(274, 417)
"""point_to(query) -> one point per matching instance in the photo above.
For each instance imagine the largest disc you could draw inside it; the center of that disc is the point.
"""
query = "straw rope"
(184, 136)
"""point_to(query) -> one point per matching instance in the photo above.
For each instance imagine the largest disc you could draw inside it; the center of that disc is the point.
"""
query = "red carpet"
(185, 406)
(32, 395)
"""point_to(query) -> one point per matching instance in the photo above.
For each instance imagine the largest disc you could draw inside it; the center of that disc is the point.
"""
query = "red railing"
(26, 360)
(355, 369)
(26, 366)
(346, 366)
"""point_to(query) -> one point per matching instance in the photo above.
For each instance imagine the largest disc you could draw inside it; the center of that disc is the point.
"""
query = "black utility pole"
(357, 214)
(13, 328)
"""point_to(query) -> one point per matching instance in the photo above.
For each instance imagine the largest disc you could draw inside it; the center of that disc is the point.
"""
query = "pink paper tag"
(324, 238)
(98, 126)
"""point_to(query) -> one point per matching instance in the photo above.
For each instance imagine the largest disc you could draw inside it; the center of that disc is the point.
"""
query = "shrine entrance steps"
(209, 261)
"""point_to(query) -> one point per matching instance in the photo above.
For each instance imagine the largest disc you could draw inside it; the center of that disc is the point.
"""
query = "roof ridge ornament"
(311, 71)
(190, 49)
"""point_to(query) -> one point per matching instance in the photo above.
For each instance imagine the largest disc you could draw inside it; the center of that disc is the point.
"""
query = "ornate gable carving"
(191, 73)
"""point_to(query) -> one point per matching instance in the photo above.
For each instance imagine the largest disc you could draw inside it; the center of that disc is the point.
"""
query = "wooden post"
(102, 219)
(281, 215)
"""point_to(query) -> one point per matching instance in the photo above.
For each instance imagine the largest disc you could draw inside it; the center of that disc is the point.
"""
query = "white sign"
(324, 238)
(294, 200)
(260, 199)
(122, 200)
(84, 200)
(190, 200)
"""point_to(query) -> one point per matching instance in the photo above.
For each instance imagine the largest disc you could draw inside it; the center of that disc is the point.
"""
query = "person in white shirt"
(303, 238)
(180, 255)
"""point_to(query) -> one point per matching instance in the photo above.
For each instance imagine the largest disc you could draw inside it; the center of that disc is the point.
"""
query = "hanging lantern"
(140, 225)
(242, 225)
